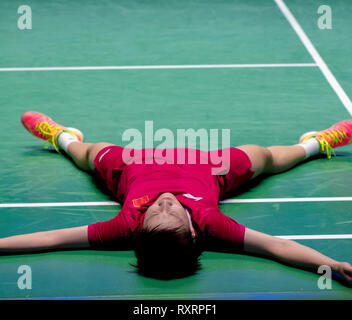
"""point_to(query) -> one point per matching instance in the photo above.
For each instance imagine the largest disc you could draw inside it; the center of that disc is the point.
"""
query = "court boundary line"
(315, 55)
(316, 237)
(151, 67)
(267, 200)
(240, 295)
(115, 203)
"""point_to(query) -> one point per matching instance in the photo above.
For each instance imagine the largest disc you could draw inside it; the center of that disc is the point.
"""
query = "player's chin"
(167, 195)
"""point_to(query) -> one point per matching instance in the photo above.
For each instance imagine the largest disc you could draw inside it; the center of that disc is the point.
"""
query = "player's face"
(167, 211)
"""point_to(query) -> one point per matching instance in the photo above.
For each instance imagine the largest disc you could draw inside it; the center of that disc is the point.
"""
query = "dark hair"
(166, 253)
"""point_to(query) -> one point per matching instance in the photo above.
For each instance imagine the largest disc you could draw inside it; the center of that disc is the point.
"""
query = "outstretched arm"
(293, 253)
(69, 238)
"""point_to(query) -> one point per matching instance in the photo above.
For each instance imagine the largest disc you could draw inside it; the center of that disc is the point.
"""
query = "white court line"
(196, 66)
(58, 204)
(114, 203)
(270, 200)
(317, 236)
(275, 200)
(315, 55)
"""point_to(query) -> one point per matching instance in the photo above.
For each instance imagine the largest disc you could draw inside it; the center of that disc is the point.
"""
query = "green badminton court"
(267, 70)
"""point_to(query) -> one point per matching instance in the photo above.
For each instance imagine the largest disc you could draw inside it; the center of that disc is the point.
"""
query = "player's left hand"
(344, 269)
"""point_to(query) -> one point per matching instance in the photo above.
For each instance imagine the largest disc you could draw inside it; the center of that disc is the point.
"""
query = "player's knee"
(261, 158)
(267, 160)
(264, 159)
(94, 149)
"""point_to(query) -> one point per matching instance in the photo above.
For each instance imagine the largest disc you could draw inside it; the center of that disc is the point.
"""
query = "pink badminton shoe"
(45, 128)
(339, 135)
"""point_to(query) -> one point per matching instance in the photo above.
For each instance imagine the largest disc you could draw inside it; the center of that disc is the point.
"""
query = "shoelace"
(335, 137)
(48, 132)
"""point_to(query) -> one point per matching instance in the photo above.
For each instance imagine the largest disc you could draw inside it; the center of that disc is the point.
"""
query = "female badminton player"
(170, 211)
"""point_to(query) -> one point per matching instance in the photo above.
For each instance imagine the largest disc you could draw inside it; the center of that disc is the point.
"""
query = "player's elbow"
(280, 246)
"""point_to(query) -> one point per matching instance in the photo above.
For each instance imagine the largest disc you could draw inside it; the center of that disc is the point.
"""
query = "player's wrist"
(336, 266)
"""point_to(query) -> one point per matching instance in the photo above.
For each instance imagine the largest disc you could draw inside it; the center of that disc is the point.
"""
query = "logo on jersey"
(140, 201)
(187, 195)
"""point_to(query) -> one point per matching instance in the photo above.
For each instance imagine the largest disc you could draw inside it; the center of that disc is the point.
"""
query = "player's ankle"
(64, 139)
(311, 147)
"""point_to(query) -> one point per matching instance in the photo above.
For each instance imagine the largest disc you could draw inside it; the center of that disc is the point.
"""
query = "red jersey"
(138, 184)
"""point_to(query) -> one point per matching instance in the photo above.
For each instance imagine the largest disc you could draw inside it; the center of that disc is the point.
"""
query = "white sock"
(311, 147)
(65, 139)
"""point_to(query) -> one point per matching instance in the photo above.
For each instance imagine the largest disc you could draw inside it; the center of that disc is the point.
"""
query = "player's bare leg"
(63, 138)
(83, 154)
(273, 159)
(281, 158)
